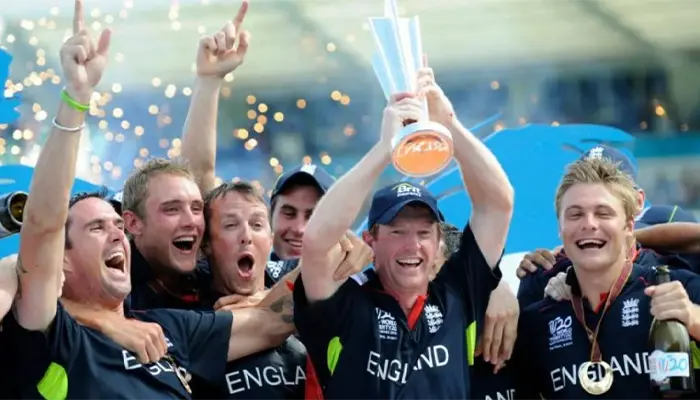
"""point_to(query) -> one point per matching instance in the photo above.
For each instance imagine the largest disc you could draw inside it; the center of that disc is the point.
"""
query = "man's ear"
(132, 223)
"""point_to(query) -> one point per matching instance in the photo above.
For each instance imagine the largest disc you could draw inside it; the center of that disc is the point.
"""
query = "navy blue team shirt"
(96, 367)
(531, 289)
(555, 344)
(364, 346)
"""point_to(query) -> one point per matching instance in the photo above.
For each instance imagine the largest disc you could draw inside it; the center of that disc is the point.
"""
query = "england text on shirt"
(552, 344)
(364, 346)
(93, 366)
(278, 373)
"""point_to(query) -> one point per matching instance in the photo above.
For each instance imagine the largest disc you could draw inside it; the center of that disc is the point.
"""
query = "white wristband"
(64, 128)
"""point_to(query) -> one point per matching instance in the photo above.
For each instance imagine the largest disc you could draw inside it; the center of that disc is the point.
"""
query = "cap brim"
(392, 212)
(290, 178)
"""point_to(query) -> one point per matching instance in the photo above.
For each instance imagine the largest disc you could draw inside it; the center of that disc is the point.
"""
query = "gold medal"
(603, 385)
(596, 388)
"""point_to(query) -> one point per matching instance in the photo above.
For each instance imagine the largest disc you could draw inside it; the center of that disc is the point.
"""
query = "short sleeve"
(64, 338)
(468, 272)
(332, 319)
(334, 311)
(204, 336)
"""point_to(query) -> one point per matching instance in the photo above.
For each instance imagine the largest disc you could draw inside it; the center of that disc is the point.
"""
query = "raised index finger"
(238, 20)
(78, 16)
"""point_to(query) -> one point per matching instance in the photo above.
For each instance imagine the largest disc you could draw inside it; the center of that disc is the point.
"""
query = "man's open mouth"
(116, 261)
(585, 244)
(184, 243)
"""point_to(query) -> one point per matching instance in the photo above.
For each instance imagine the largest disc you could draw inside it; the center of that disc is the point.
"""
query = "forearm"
(680, 236)
(199, 136)
(327, 225)
(49, 194)
(484, 178)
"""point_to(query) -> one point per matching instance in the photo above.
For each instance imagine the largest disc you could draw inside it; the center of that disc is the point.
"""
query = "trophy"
(422, 148)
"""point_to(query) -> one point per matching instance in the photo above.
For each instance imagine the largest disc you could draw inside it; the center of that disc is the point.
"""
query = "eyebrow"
(259, 214)
(95, 221)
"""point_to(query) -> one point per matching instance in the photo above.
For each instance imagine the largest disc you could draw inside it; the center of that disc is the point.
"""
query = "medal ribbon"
(577, 302)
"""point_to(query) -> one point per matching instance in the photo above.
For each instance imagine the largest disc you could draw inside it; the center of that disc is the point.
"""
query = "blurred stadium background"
(307, 91)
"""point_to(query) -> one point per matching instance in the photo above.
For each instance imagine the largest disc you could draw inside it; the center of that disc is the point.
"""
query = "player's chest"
(268, 374)
(623, 337)
(417, 346)
(121, 370)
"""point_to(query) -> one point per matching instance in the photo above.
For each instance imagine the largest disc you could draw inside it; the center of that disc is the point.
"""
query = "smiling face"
(172, 230)
(596, 205)
(97, 257)
(593, 226)
(291, 212)
(406, 250)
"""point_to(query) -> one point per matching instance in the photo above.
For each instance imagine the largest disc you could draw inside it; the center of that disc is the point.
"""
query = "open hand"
(224, 51)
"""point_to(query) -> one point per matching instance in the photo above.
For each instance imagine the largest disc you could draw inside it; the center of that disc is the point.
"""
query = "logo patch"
(434, 317)
(560, 333)
(630, 312)
(386, 323)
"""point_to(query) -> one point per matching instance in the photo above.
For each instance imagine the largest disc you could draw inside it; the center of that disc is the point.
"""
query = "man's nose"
(299, 225)
(590, 222)
(246, 237)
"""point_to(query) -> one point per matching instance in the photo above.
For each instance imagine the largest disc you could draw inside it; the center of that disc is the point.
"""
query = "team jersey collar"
(572, 281)
(141, 273)
(373, 283)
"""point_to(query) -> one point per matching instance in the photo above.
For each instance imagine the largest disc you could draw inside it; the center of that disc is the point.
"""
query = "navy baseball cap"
(662, 214)
(388, 202)
(318, 174)
(603, 151)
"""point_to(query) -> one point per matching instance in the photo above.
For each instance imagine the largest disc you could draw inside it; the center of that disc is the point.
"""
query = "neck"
(594, 283)
(405, 298)
(219, 285)
(170, 277)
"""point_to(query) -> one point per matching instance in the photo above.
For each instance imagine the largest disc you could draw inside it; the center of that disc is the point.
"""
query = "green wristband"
(72, 103)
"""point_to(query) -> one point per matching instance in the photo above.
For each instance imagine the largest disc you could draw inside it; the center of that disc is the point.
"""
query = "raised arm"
(326, 225)
(484, 179)
(217, 56)
(42, 239)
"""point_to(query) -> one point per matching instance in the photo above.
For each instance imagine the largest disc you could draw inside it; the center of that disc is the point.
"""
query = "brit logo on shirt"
(630, 312)
(560, 335)
(387, 325)
(434, 317)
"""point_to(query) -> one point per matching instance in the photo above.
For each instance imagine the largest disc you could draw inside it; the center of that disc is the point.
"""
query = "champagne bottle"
(11, 211)
(671, 361)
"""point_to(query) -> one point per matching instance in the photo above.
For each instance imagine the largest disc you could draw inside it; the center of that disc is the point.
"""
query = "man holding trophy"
(394, 333)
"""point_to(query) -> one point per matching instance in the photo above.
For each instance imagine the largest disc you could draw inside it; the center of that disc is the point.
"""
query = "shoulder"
(542, 309)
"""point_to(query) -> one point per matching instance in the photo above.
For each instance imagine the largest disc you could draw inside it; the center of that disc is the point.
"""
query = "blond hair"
(136, 186)
(605, 172)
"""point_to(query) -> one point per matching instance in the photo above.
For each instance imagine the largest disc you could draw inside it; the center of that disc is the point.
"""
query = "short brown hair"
(136, 186)
(245, 189)
(601, 171)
